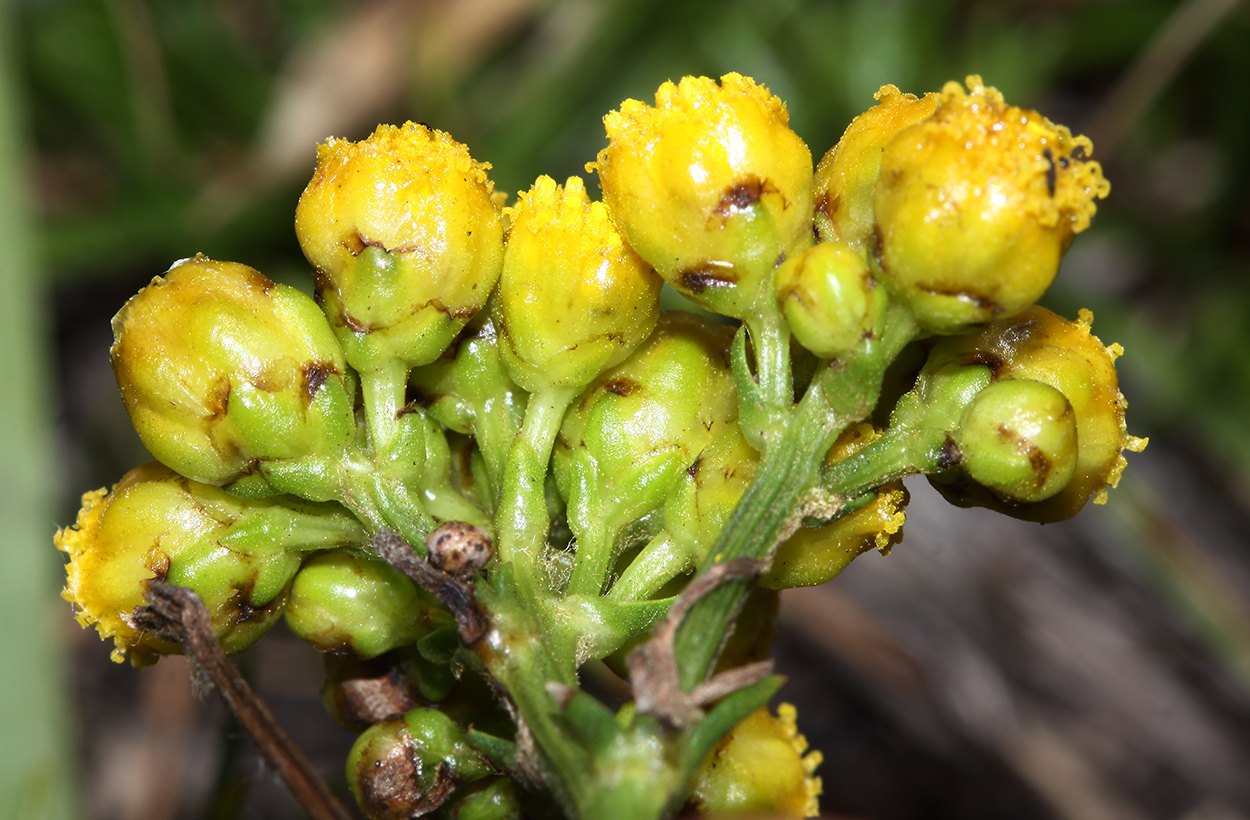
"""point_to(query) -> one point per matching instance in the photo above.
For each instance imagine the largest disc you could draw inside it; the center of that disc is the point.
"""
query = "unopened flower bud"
(405, 240)
(222, 371)
(409, 766)
(639, 425)
(710, 186)
(846, 178)
(239, 555)
(700, 503)
(1018, 438)
(830, 299)
(975, 206)
(574, 299)
(344, 603)
(761, 768)
(1047, 348)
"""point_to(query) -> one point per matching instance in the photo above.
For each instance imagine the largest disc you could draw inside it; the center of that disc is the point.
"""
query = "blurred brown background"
(985, 669)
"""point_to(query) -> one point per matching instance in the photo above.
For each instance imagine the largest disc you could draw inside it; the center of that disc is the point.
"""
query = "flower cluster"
(483, 457)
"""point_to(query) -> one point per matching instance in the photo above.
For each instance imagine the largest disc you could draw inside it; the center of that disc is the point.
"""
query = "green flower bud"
(224, 372)
(847, 176)
(409, 766)
(345, 603)
(1018, 438)
(761, 768)
(975, 206)
(574, 299)
(700, 503)
(405, 240)
(640, 425)
(710, 186)
(830, 299)
(239, 555)
(1043, 347)
(496, 800)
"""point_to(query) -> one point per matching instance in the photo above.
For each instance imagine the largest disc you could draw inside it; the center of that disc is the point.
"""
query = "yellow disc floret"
(710, 186)
(574, 299)
(406, 242)
(761, 768)
(975, 206)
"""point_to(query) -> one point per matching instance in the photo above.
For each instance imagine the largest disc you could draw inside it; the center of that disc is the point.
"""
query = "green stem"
(594, 542)
(898, 453)
(383, 392)
(495, 430)
(522, 520)
(660, 561)
(785, 475)
(518, 658)
(844, 393)
(770, 341)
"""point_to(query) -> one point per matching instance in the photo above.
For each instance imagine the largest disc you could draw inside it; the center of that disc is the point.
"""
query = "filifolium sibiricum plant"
(483, 464)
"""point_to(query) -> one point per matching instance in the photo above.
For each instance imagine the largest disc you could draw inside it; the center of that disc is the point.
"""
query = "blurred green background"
(137, 132)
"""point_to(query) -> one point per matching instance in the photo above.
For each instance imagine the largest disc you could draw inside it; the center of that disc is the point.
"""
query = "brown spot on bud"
(459, 549)
(621, 386)
(219, 399)
(742, 195)
(878, 248)
(706, 275)
(353, 243)
(828, 204)
(950, 454)
(315, 375)
(1050, 171)
(693, 469)
(388, 785)
(963, 294)
(996, 364)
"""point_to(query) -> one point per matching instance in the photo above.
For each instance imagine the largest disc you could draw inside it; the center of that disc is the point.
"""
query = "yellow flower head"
(761, 768)
(574, 299)
(847, 176)
(710, 186)
(156, 524)
(406, 242)
(975, 206)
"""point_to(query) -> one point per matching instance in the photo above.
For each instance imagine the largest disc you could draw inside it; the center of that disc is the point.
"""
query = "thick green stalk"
(787, 472)
(522, 520)
(790, 468)
(383, 392)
